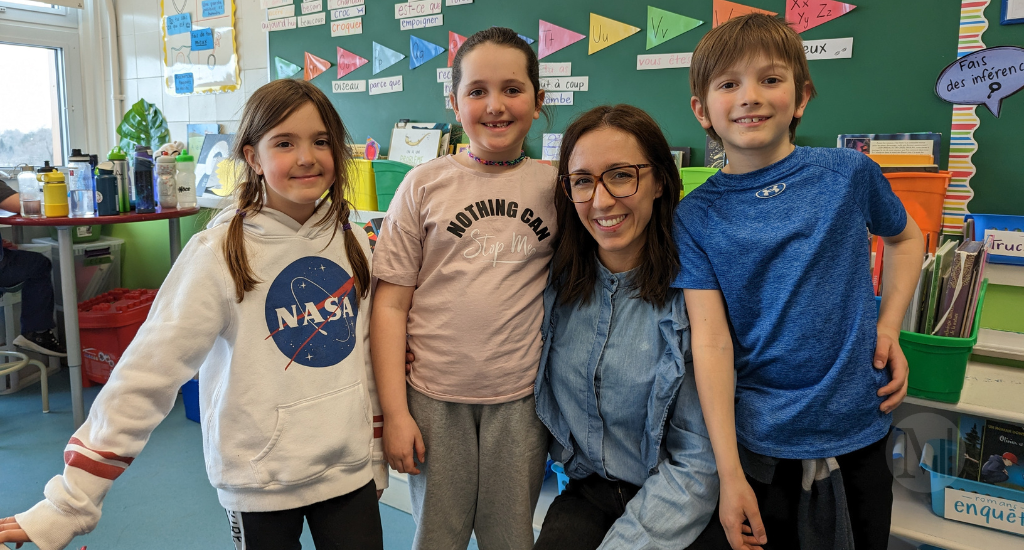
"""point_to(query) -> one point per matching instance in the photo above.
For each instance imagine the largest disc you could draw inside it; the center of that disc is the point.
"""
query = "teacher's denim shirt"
(596, 418)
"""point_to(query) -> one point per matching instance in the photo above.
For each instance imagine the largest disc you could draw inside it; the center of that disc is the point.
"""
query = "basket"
(938, 363)
(362, 185)
(693, 176)
(107, 324)
(389, 174)
(999, 223)
(922, 194)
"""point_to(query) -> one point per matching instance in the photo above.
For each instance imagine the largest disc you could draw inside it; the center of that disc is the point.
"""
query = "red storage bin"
(107, 324)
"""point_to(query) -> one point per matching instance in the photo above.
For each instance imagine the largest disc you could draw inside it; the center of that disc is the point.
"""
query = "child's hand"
(402, 438)
(888, 352)
(737, 503)
(10, 531)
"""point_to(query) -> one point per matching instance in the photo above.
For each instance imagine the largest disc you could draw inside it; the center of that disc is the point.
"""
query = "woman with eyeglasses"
(615, 385)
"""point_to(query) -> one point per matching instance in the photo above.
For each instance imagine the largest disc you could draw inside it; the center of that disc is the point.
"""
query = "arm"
(903, 254)
(402, 437)
(11, 203)
(380, 465)
(675, 504)
(714, 373)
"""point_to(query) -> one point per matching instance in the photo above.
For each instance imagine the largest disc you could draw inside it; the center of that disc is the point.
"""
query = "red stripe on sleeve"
(105, 454)
(378, 418)
(86, 464)
(378, 433)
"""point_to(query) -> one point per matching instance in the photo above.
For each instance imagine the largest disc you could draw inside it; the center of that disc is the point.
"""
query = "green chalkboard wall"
(887, 86)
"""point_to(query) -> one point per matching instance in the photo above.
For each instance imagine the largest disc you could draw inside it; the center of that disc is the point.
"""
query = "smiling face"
(495, 101)
(750, 106)
(296, 162)
(618, 225)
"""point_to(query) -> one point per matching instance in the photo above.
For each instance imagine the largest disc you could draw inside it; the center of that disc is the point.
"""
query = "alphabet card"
(723, 10)
(604, 32)
(663, 26)
(199, 46)
(807, 14)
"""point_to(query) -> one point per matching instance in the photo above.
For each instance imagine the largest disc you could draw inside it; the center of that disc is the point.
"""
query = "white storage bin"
(97, 266)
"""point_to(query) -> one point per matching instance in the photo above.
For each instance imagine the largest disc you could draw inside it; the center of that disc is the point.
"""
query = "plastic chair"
(8, 297)
(21, 361)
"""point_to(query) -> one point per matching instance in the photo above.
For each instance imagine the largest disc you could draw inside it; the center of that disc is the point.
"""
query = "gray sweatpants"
(483, 471)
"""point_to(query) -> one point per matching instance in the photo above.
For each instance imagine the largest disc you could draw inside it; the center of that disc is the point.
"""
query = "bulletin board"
(885, 86)
(199, 54)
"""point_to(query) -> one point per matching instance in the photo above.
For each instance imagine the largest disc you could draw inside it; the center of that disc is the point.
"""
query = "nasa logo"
(311, 312)
(771, 191)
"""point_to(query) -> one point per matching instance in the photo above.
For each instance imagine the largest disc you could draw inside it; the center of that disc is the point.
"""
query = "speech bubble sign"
(985, 77)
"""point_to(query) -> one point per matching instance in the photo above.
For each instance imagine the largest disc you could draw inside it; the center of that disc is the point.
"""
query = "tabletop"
(128, 217)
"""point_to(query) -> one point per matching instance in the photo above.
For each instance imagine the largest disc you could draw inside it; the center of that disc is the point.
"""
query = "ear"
(660, 191)
(538, 105)
(455, 106)
(799, 113)
(700, 113)
(251, 159)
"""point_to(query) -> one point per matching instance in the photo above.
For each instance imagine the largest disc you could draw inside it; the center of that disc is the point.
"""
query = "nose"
(602, 199)
(304, 155)
(751, 95)
(495, 104)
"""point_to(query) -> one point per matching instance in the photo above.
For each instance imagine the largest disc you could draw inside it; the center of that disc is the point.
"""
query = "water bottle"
(185, 179)
(81, 187)
(144, 202)
(44, 169)
(28, 190)
(107, 197)
(119, 160)
(55, 193)
(165, 181)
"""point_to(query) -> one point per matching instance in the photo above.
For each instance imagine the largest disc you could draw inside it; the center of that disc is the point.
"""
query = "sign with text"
(266, 4)
(983, 510)
(829, 48)
(183, 83)
(346, 13)
(457, 2)
(558, 98)
(444, 74)
(551, 145)
(556, 69)
(422, 22)
(312, 19)
(281, 11)
(417, 8)
(347, 27)
(179, 24)
(386, 85)
(338, 4)
(310, 7)
(213, 8)
(1006, 243)
(348, 86)
(985, 77)
(663, 61)
(202, 39)
(279, 24)
(566, 83)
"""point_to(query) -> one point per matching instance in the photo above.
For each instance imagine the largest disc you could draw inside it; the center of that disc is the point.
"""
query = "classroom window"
(33, 123)
(31, 5)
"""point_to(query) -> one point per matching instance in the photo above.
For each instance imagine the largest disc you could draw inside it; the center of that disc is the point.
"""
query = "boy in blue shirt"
(775, 272)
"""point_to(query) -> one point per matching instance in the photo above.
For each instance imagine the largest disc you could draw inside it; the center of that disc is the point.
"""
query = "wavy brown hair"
(265, 109)
(574, 266)
(745, 38)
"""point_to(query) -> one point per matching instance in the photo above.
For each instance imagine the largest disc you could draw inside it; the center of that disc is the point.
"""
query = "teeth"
(750, 120)
(497, 124)
(611, 222)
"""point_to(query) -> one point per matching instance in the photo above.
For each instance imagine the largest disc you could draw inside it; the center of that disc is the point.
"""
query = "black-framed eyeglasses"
(620, 182)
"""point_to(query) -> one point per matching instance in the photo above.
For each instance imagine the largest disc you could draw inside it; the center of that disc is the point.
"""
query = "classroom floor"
(163, 501)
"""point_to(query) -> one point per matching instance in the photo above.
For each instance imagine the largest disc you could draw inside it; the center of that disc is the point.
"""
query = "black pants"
(32, 269)
(350, 522)
(579, 518)
(867, 481)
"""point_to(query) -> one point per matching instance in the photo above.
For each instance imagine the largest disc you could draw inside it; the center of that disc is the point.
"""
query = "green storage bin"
(389, 175)
(938, 363)
(693, 176)
(80, 233)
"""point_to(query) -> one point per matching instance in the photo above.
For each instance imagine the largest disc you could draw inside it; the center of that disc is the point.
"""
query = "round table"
(69, 290)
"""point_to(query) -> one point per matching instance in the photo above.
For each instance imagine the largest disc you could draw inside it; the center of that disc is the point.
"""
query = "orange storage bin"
(922, 194)
(108, 323)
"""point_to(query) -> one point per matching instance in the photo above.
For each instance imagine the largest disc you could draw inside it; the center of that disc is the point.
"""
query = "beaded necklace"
(522, 157)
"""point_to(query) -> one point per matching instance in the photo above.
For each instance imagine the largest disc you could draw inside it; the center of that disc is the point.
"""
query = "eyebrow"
(292, 135)
(515, 81)
(609, 167)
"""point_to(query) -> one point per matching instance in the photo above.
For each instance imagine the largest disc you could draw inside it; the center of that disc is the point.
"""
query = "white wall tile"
(125, 18)
(229, 104)
(130, 89)
(253, 79)
(149, 54)
(127, 57)
(229, 126)
(175, 107)
(152, 90)
(179, 131)
(251, 43)
(202, 108)
(146, 14)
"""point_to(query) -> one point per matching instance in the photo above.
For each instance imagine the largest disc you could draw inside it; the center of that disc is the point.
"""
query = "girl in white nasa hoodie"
(270, 306)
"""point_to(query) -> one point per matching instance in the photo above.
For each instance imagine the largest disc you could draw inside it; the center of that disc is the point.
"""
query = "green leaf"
(143, 124)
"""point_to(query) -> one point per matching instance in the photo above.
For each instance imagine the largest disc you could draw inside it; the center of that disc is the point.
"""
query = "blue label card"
(202, 39)
(179, 24)
(213, 8)
(183, 83)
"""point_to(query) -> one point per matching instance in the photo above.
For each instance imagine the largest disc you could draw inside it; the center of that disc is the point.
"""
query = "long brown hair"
(264, 110)
(574, 266)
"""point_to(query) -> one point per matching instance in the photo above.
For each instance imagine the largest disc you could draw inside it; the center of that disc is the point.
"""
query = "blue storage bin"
(190, 396)
(1001, 222)
(563, 479)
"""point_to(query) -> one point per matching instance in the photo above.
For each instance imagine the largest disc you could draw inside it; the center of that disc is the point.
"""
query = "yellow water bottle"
(55, 195)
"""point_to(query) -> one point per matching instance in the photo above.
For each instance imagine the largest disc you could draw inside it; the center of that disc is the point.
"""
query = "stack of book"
(946, 297)
(991, 452)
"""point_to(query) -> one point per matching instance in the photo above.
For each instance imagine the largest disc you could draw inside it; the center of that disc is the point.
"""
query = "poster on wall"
(199, 54)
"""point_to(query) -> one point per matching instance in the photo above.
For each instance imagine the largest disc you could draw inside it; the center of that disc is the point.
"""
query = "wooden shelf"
(1000, 344)
(913, 520)
(1004, 274)
(990, 391)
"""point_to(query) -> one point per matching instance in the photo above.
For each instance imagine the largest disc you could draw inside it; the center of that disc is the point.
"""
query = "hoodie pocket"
(315, 435)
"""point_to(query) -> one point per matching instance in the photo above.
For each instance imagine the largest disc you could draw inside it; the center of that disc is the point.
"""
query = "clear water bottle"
(165, 181)
(81, 187)
(185, 179)
(31, 197)
(144, 199)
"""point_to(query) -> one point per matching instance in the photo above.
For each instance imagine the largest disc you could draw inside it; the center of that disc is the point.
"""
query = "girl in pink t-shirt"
(461, 263)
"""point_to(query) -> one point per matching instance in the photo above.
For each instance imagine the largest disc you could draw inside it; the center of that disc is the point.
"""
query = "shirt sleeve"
(696, 271)
(398, 254)
(883, 210)
(6, 191)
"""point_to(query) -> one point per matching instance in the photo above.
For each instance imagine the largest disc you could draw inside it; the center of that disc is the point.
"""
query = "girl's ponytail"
(354, 252)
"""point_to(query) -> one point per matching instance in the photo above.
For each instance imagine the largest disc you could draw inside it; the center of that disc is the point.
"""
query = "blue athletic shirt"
(788, 247)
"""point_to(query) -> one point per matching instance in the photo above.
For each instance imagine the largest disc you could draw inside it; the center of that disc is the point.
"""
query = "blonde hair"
(744, 38)
(265, 109)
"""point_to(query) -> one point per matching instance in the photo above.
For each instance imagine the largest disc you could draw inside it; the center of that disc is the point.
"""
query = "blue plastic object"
(938, 458)
(190, 396)
(1001, 222)
(563, 479)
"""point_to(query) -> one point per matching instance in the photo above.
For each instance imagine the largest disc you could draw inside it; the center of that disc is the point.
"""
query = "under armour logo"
(771, 191)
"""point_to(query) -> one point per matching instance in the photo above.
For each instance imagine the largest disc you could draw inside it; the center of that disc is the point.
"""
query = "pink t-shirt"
(476, 247)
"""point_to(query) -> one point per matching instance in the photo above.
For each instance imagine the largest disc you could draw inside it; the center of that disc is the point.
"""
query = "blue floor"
(163, 501)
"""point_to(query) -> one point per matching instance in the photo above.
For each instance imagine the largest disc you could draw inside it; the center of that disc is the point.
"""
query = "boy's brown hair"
(744, 38)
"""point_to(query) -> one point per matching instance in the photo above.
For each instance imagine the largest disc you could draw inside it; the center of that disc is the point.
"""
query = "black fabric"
(579, 518)
(32, 269)
(350, 522)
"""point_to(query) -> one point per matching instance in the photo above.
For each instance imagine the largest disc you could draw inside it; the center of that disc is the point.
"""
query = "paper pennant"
(384, 57)
(802, 16)
(348, 62)
(663, 26)
(604, 32)
(527, 39)
(454, 43)
(553, 38)
(285, 68)
(723, 10)
(421, 51)
(314, 66)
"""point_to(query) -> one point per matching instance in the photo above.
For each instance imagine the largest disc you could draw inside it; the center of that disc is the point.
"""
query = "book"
(1002, 449)
(918, 143)
(714, 154)
(943, 262)
(912, 318)
(975, 296)
(953, 306)
(968, 462)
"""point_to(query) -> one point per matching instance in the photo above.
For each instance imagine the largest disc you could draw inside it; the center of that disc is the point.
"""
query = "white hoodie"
(288, 401)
